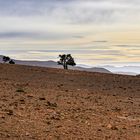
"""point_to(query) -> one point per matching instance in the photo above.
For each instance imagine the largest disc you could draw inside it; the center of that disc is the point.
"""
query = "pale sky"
(95, 32)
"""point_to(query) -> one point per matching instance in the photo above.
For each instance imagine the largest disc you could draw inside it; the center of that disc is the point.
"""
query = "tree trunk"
(65, 66)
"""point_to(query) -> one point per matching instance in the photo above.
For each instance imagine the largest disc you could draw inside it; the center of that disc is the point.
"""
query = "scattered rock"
(22, 101)
(61, 85)
(99, 130)
(8, 135)
(78, 110)
(117, 109)
(112, 127)
(10, 112)
(20, 90)
(55, 118)
(27, 134)
(68, 102)
(48, 122)
(51, 104)
(42, 98)
(30, 96)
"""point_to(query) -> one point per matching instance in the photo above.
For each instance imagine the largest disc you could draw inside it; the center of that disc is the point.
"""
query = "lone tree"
(6, 59)
(65, 60)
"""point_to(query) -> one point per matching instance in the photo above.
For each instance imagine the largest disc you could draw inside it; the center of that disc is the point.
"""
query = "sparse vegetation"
(11, 62)
(20, 90)
(7, 59)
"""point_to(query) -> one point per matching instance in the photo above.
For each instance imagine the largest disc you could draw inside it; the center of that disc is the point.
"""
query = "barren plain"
(54, 104)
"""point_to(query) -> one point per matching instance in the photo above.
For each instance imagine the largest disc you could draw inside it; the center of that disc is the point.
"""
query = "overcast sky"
(94, 31)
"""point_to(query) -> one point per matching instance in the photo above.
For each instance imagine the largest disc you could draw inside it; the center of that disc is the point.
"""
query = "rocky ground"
(53, 104)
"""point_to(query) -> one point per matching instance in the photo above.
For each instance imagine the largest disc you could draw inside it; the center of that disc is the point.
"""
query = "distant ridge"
(53, 64)
(125, 70)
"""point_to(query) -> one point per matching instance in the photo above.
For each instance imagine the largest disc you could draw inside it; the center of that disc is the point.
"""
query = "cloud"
(78, 36)
(38, 35)
(15, 34)
(100, 41)
(74, 11)
(128, 46)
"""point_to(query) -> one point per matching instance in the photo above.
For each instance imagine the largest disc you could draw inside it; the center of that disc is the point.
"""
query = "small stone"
(48, 122)
(51, 104)
(8, 135)
(42, 98)
(10, 112)
(109, 126)
(30, 95)
(27, 134)
(99, 130)
(112, 127)
(22, 101)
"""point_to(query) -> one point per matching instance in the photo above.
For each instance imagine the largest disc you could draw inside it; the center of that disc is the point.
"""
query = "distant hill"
(53, 64)
(128, 70)
(94, 69)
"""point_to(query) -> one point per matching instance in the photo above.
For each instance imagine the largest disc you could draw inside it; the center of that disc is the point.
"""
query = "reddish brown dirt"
(53, 104)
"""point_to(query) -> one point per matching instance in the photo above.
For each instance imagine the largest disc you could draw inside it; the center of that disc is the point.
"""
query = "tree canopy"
(65, 60)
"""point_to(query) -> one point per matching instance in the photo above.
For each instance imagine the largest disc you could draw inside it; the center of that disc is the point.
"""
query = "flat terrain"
(53, 104)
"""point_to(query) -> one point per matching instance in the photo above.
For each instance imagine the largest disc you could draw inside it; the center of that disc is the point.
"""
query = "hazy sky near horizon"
(95, 32)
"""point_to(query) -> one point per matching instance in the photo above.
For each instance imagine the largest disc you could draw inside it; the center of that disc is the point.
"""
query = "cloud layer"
(74, 11)
(73, 24)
